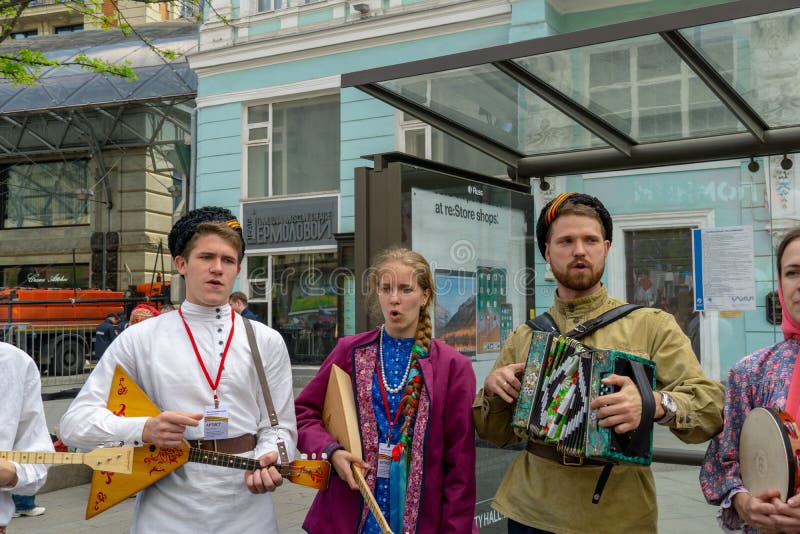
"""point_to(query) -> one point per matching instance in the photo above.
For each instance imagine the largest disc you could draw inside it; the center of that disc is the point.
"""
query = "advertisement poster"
(476, 247)
(506, 320)
(454, 321)
(492, 282)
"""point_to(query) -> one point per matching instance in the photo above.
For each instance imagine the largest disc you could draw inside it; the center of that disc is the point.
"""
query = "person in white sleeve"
(22, 428)
(194, 364)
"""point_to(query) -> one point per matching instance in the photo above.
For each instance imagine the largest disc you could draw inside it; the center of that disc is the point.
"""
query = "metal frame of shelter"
(96, 138)
(617, 150)
(72, 112)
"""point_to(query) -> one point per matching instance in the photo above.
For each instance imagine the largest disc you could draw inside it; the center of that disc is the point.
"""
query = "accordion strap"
(641, 436)
(545, 322)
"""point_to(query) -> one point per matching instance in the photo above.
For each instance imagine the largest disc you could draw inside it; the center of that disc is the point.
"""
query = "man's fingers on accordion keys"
(513, 377)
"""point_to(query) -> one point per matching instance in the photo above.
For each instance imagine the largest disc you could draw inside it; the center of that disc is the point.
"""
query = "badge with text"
(384, 460)
(215, 423)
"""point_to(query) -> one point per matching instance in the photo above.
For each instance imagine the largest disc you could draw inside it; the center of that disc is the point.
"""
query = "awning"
(713, 83)
(75, 111)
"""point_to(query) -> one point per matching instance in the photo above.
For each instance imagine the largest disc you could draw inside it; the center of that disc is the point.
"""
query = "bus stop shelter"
(525, 105)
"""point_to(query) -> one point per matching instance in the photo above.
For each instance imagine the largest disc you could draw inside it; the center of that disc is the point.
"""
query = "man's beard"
(578, 281)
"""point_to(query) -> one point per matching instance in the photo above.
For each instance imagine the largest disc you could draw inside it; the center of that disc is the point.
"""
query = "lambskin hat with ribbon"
(183, 230)
(552, 209)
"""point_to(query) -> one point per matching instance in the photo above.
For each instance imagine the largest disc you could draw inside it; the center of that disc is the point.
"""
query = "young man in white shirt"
(188, 363)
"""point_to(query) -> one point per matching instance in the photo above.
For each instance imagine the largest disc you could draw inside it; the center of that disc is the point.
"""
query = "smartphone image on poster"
(506, 321)
(454, 315)
(491, 298)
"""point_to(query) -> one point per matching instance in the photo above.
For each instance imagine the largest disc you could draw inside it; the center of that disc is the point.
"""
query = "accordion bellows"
(562, 376)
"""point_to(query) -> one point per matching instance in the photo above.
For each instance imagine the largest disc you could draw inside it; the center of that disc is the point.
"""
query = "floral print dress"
(758, 380)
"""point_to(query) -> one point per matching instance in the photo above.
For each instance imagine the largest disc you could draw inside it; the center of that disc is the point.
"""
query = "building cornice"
(304, 89)
(351, 36)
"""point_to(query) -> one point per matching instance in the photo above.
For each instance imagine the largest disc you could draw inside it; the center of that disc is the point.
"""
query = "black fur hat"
(183, 230)
(550, 212)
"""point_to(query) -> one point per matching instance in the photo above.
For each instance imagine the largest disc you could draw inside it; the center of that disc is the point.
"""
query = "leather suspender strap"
(545, 322)
(259, 365)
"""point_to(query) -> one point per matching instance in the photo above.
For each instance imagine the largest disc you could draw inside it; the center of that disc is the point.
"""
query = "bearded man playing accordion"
(541, 492)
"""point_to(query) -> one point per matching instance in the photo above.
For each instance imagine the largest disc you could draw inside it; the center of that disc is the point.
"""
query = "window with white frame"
(292, 147)
(653, 95)
(420, 139)
(262, 6)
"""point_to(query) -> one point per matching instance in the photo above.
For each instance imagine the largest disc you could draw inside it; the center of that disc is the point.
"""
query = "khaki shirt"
(547, 495)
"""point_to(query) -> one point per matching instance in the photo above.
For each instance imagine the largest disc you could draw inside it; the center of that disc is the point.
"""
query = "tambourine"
(769, 452)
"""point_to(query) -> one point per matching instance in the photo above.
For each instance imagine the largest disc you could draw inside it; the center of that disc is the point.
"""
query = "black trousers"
(519, 528)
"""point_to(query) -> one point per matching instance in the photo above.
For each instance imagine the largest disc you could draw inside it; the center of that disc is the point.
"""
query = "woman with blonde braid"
(413, 395)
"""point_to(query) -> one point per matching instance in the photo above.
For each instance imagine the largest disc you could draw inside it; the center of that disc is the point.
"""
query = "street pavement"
(682, 509)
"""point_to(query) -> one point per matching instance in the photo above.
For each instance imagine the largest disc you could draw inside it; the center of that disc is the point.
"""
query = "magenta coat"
(440, 496)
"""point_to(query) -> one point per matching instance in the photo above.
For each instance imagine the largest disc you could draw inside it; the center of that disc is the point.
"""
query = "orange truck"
(56, 326)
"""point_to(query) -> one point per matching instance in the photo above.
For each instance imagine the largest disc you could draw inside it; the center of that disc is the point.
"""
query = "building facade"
(92, 168)
(276, 128)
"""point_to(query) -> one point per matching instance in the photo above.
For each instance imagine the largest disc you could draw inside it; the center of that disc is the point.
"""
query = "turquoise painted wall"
(612, 15)
(367, 125)
(315, 17)
(330, 65)
(268, 27)
(530, 19)
(367, 128)
(219, 156)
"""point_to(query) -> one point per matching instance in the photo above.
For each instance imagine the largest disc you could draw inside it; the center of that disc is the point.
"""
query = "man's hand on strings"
(166, 429)
(342, 461)
(621, 410)
(505, 382)
(267, 479)
(8, 474)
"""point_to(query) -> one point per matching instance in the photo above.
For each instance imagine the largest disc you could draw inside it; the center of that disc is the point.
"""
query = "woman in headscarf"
(768, 378)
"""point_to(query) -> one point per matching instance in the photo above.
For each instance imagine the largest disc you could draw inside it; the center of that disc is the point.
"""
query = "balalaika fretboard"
(112, 459)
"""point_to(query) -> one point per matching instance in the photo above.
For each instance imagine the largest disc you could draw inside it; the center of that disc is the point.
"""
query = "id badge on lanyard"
(215, 422)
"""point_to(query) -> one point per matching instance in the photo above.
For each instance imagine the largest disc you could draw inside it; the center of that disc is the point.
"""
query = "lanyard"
(386, 405)
(215, 383)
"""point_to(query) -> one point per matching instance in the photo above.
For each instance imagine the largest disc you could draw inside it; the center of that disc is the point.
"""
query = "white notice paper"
(724, 272)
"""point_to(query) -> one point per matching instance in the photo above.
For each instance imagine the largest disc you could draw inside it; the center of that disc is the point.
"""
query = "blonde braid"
(424, 329)
(413, 390)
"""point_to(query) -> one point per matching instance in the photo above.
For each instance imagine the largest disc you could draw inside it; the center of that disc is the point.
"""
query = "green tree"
(23, 66)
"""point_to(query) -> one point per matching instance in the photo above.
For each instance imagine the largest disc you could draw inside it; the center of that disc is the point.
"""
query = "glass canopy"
(711, 83)
(72, 110)
(73, 86)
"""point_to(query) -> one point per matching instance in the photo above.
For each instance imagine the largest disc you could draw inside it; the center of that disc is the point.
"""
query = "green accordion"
(562, 376)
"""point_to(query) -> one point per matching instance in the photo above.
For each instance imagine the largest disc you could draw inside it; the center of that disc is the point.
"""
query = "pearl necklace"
(402, 384)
